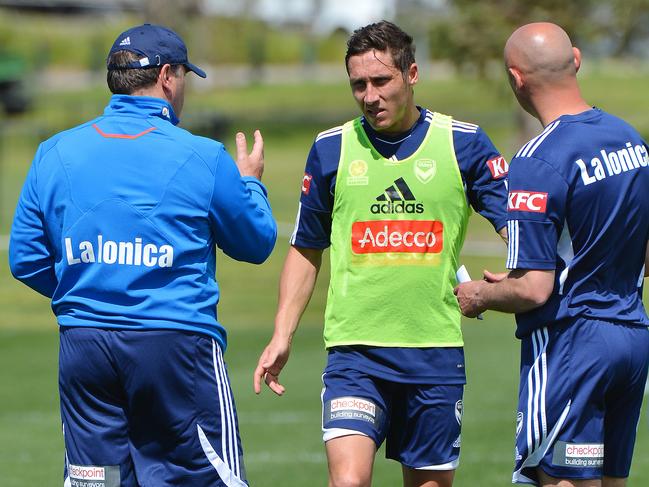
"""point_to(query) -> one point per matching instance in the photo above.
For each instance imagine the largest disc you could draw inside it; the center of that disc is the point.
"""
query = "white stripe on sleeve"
(291, 240)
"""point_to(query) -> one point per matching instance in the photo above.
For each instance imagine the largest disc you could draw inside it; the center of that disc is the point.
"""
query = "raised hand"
(250, 164)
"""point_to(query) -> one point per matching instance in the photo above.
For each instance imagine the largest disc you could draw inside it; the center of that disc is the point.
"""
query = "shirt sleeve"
(244, 227)
(31, 257)
(484, 171)
(313, 221)
(536, 214)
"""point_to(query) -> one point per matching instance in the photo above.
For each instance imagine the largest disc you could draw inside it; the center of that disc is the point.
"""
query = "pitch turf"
(281, 435)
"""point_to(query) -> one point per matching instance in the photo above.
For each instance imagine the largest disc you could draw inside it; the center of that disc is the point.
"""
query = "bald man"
(578, 222)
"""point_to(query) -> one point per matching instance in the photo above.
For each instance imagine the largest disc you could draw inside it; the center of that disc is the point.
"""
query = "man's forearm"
(295, 289)
(519, 292)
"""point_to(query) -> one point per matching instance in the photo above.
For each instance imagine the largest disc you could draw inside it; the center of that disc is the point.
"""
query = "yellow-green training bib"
(397, 230)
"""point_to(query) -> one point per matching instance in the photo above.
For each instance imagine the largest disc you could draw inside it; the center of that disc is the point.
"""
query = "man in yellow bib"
(390, 192)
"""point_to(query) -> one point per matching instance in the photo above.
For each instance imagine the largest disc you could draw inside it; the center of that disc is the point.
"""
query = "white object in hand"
(462, 275)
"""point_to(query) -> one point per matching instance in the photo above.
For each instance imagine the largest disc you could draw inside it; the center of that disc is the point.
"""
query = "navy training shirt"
(482, 167)
(579, 205)
(483, 171)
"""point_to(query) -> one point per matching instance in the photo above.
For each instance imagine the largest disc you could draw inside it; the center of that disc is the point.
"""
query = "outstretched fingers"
(268, 370)
(242, 146)
(250, 164)
(257, 146)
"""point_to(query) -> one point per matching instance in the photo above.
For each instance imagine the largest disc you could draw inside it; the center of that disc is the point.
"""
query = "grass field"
(281, 435)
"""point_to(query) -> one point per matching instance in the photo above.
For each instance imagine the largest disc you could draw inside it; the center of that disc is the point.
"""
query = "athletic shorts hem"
(522, 479)
(452, 465)
(396, 344)
(593, 476)
(333, 433)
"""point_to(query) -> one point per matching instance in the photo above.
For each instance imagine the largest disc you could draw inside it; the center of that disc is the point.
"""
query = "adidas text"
(392, 207)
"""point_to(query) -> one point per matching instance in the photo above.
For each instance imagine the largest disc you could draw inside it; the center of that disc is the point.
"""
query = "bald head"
(542, 67)
(542, 52)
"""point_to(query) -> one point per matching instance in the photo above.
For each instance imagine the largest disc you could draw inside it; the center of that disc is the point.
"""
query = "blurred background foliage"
(278, 65)
(469, 34)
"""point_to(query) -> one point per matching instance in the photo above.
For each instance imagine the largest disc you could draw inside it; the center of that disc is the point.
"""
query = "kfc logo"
(306, 183)
(498, 167)
(527, 201)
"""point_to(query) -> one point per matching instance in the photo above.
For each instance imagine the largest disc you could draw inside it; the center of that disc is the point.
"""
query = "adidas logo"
(394, 200)
(397, 192)
(125, 42)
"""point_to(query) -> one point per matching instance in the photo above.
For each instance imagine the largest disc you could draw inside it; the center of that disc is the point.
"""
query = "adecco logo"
(406, 236)
(527, 201)
(87, 473)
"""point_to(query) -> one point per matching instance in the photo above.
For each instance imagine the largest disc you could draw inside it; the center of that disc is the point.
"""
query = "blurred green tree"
(627, 24)
(474, 33)
(471, 35)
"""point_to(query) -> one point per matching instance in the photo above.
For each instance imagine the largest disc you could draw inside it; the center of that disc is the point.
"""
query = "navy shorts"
(420, 422)
(580, 394)
(147, 408)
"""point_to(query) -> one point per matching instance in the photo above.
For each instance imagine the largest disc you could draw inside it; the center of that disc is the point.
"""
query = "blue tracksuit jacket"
(119, 218)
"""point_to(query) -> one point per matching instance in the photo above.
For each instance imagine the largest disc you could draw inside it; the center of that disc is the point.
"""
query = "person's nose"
(371, 94)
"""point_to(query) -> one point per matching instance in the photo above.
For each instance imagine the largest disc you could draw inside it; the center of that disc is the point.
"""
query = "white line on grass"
(29, 416)
(288, 457)
(281, 417)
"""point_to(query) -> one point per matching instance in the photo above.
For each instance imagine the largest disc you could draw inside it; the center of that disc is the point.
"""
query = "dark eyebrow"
(371, 78)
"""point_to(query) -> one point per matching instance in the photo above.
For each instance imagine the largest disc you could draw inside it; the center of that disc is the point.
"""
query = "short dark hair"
(382, 36)
(127, 80)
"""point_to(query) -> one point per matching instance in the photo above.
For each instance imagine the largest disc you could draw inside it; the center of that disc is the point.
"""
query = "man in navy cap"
(118, 224)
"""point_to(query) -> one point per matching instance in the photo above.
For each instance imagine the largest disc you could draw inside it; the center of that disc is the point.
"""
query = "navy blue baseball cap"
(156, 45)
